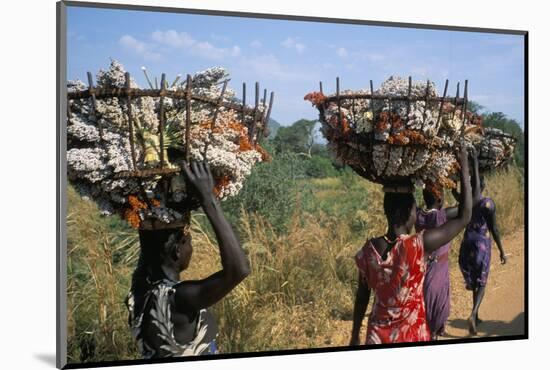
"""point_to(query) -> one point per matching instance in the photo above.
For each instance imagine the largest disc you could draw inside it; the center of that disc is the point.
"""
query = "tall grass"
(100, 261)
(302, 282)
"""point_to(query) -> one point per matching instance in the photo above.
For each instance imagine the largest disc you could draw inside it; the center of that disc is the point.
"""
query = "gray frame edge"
(61, 189)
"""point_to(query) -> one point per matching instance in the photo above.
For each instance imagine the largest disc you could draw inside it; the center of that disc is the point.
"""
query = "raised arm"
(452, 212)
(438, 236)
(493, 228)
(361, 302)
(194, 295)
(475, 177)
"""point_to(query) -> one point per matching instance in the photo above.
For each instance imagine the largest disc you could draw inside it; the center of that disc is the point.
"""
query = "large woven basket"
(398, 138)
(254, 118)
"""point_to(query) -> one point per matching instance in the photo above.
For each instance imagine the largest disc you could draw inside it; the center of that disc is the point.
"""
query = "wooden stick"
(271, 98)
(456, 100)
(338, 100)
(390, 117)
(220, 100)
(244, 104)
(353, 109)
(465, 102)
(371, 100)
(68, 112)
(152, 172)
(409, 97)
(176, 80)
(132, 146)
(136, 93)
(252, 127)
(393, 98)
(464, 107)
(188, 119)
(130, 121)
(94, 104)
(441, 104)
(161, 120)
(147, 77)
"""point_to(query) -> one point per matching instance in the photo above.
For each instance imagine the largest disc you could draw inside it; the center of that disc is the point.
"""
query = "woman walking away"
(168, 317)
(393, 267)
(437, 297)
(475, 251)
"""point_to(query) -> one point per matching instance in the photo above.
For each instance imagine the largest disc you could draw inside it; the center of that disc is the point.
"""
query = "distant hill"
(273, 128)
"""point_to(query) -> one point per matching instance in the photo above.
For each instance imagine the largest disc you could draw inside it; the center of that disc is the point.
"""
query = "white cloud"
(256, 44)
(342, 52)
(235, 51)
(139, 47)
(420, 71)
(173, 38)
(270, 67)
(375, 57)
(291, 43)
(217, 37)
(184, 41)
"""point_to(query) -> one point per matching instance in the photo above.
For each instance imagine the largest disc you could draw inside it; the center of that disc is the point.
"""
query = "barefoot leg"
(478, 294)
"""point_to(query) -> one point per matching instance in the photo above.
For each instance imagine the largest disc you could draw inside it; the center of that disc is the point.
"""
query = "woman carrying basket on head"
(393, 267)
(475, 251)
(168, 317)
(437, 297)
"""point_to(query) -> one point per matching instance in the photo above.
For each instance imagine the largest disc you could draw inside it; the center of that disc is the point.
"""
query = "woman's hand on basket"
(462, 156)
(199, 176)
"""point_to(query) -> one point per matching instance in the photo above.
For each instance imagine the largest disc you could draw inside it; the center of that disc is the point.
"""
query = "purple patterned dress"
(475, 251)
(436, 283)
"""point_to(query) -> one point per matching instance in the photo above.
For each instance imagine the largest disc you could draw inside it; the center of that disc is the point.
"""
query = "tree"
(270, 191)
(475, 107)
(510, 126)
(297, 138)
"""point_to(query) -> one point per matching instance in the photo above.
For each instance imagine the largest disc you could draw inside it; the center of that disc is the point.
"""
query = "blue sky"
(291, 57)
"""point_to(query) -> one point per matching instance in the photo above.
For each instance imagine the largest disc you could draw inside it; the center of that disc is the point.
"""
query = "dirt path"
(502, 310)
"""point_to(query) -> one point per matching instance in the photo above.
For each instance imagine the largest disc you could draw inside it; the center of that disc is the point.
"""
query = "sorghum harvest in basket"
(125, 145)
(404, 131)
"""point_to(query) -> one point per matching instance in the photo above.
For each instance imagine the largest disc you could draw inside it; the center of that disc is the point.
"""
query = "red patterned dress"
(398, 314)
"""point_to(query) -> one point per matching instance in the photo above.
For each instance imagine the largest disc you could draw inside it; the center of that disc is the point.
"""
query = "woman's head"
(170, 247)
(433, 197)
(400, 209)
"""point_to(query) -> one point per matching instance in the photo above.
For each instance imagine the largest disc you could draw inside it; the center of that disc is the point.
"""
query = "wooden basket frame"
(186, 94)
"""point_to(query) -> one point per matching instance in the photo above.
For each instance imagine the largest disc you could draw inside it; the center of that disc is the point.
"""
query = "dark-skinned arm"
(475, 176)
(438, 236)
(493, 228)
(452, 212)
(194, 295)
(360, 307)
